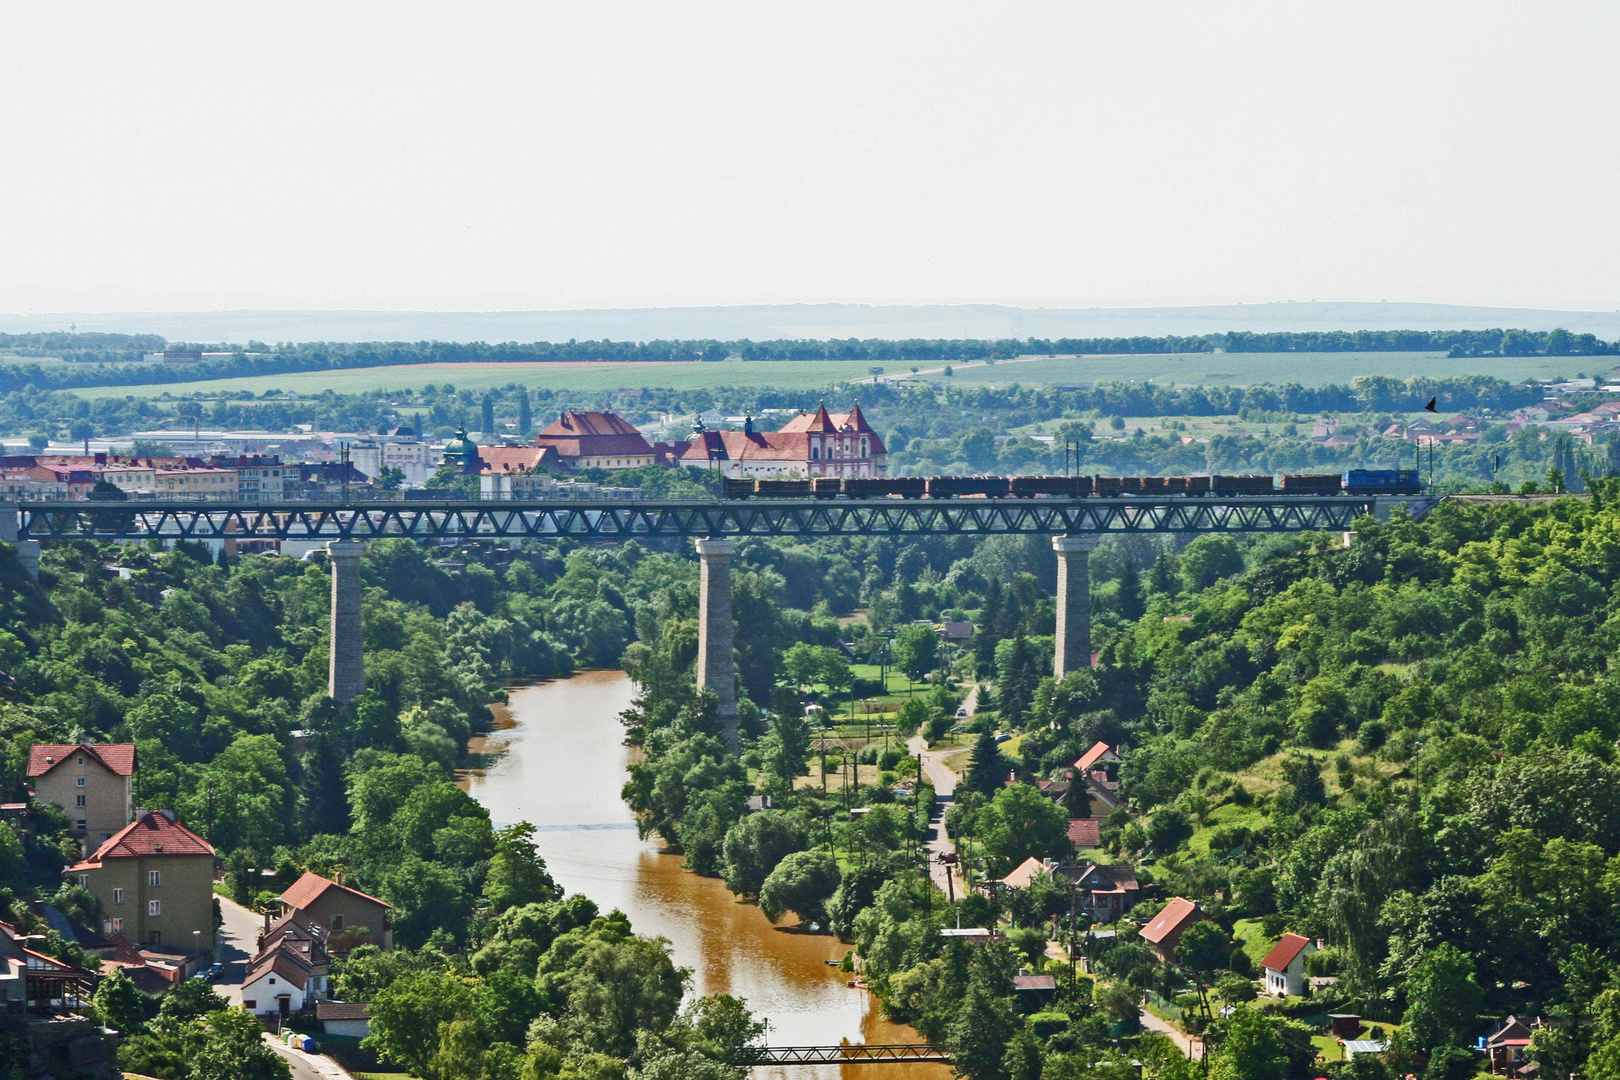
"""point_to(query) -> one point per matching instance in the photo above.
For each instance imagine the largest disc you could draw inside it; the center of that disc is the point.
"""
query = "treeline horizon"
(114, 359)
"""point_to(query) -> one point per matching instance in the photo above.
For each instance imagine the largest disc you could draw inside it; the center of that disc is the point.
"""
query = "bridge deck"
(684, 519)
(866, 1054)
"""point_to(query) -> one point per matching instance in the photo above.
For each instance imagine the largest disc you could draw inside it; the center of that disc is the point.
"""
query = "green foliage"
(802, 883)
(1443, 999)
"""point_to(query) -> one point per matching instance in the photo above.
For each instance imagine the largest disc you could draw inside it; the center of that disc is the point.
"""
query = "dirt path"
(1190, 1045)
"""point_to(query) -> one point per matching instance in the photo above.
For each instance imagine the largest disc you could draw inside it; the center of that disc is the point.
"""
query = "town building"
(94, 784)
(1285, 965)
(351, 1019)
(155, 881)
(1507, 1047)
(33, 983)
(349, 916)
(1103, 893)
(415, 459)
(1164, 932)
(290, 970)
(595, 440)
(1100, 766)
(258, 476)
(195, 481)
(810, 444)
(132, 478)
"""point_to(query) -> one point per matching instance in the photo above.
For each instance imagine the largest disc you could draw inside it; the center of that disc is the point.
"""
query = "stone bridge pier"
(27, 550)
(347, 673)
(716, 661)
(1072, 648)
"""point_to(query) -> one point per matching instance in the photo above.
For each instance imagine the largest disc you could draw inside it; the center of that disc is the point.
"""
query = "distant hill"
(817, 321)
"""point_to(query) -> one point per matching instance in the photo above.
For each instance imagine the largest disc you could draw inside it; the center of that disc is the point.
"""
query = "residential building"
(155, 881)
(276, 983)
(1285, 965)
(193, 481)
(1507, 1047)
(810, 444)
(132, 478)
(94, 784)
(258, 476)
(595, 440)
(1103, 893)
(31, 982)
(349, 916)
(23, 484)
(1024, 875)
(1165, 930)
(1100, 766)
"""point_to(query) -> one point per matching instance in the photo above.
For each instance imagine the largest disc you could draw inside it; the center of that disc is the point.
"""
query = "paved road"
(944, 781)
(1190, 1045)
(238, 941)
(308, 1066)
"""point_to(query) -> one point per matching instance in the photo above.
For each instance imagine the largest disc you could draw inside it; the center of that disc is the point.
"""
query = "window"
(84, 881)
(79, 782)
(78, 800)
(249, 1005)
(81, 760)
(864, 451)
(154, 907)
(815, 452)
(337, 922)
(272, 980)
(118, 926)
(118, 896)
(154, 937)
(154, 878)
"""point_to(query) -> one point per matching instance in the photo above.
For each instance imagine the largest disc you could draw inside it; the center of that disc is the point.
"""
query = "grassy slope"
(1195, 368)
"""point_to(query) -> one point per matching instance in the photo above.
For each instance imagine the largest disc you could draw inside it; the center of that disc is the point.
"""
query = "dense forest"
(110, 359)
(1405, 747)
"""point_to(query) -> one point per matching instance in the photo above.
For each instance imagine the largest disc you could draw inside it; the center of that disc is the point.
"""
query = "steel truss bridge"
(639, 519)
(871, 1054)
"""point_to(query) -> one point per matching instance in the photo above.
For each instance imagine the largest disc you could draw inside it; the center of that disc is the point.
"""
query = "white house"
(1285, 965)
(278, 983)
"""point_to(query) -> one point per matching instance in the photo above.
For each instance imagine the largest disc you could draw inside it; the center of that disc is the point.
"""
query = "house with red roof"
(348, 916)
(155, 880)
(93, 783)
(1285, 965)
(1103, 892)
(1100, 766)
(810, 444)
(1164, 931)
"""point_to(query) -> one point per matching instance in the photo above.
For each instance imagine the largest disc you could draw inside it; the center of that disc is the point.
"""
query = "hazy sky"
(470, 156)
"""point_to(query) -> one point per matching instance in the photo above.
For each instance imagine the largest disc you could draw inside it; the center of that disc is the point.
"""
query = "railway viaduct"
(1076, 526)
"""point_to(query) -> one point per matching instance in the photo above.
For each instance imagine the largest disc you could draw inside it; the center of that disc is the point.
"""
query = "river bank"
(557, 760)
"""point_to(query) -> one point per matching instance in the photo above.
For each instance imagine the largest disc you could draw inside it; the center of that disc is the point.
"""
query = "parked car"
(961, 712)
(1002, 736)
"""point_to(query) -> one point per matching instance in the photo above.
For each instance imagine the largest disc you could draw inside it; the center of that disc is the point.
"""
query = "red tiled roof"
(277, 963)
(1034, 982)
(821, 421)
(1176, 915)
(499, 459)
(573, 424)
(151, 834)
(116, 758)
(1282, 954)
(309, 888)
(1090, 757)
(1083, 831)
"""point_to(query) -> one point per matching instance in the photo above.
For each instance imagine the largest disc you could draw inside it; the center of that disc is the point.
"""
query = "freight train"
(1354, 482)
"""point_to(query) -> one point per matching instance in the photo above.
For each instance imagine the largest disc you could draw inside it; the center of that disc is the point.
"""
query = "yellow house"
(94, 784)
(155, 881)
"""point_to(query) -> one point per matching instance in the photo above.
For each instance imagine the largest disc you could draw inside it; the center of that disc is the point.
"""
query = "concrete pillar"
(27, 550)
(347, 674)
(1073, 644)
(716, 664)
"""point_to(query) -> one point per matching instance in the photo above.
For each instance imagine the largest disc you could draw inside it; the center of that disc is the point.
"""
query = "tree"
(1130, 601)
(488, 419)
(755, 845)
(619, 989)
(517, 873)
(1020, 823)
(231, 1048)
(801, 883)
(1208, 559)
(525, 416)
(979, 1035)
(1442, 999)
(1202, 950)
(121, 1005)
(987, 769)
(1251, 1048)
(916, 650)
(406, 1014)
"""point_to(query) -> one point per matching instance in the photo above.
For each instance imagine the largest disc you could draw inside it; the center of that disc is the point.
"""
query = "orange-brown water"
(557, 760)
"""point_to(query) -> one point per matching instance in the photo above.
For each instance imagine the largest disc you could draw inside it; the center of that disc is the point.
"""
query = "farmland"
(1209, 369)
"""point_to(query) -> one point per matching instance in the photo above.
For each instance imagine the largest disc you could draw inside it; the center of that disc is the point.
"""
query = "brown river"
(557, 760)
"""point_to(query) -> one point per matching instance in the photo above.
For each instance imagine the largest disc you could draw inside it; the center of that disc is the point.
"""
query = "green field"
(1210, 369)
(1241, 369)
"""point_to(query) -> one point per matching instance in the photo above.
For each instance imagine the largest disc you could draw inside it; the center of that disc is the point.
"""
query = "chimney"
(339, 877)
(267, 920)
